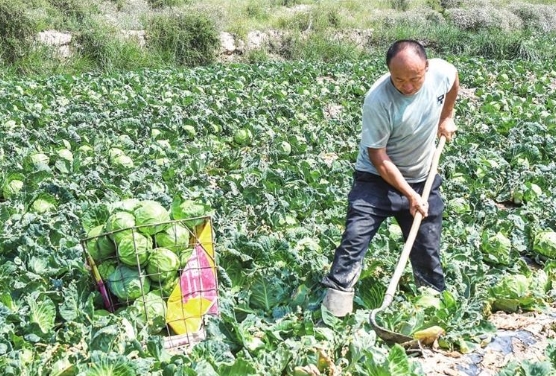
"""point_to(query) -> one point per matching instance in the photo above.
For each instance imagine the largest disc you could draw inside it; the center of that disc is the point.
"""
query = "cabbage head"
(110, 367)
(174, 238)
(65, 154)
(127, 204)
(36, 161)
(511, 293)
(100, 246)
(106, 268)
(115, 152)
(123, 161)
(151, 212)
(166, 287)
(395, 232)
(459, 205)
(163, 264)
(44, 203)
(185, 256)
(134, 248)
(127, 284)
(496, 248)
(243, 137)
(429, 298)
(545, 244)
(186, 209)
(86, 149)
(12, 187)
(120, 223)
(152, 311)
(284, 148)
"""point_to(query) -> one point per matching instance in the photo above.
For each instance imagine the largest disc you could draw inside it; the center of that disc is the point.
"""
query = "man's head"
(407, 62)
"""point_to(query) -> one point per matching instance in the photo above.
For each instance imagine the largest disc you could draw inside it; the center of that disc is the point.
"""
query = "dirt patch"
(520, 336)
(468, 93)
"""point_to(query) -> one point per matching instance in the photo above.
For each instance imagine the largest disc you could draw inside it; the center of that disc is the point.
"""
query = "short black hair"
(403, 44)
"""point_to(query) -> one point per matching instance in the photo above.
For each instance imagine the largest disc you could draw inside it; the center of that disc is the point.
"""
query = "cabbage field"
(270, 150)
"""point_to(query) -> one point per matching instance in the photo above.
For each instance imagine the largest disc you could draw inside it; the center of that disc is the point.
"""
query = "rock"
(229, 45)
(54, 38)
(138, 36)
(59, 40)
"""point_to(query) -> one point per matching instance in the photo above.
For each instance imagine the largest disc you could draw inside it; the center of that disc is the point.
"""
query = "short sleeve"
(376, 129)
(446, 73)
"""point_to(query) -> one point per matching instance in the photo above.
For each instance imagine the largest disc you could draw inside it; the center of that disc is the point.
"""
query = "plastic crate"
(188, 300)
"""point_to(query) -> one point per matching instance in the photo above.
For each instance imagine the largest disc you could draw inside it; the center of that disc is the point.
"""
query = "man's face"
(407, 71)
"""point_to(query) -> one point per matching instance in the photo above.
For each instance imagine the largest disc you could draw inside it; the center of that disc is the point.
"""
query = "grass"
(310, 30)
(241, 15)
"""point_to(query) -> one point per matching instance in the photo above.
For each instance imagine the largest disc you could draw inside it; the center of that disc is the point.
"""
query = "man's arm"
(446, 125)
(389, 172)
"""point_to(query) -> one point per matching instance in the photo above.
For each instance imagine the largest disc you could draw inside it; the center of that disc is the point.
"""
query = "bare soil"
(520, 336)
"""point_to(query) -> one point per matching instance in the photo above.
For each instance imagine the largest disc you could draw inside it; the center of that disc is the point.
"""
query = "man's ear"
(427, 65)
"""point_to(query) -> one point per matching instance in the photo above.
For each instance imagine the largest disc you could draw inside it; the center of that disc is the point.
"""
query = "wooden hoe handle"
(389, 295)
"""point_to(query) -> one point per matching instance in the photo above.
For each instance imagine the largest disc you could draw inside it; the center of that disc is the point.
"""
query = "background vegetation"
(186, 32)
(278, 196)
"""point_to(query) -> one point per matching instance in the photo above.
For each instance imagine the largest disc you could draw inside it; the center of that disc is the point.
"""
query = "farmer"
(403, 113)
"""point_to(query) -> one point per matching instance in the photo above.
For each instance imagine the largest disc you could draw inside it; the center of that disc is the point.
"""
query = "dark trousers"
(372, 200)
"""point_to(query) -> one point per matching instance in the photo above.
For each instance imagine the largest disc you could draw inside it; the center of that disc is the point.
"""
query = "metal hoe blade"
(388, 336)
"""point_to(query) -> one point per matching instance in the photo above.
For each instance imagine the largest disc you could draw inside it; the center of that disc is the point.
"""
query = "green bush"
(41, 60)
(447, 38)
(536, 16)
(314, 19)
(16, 30)
(100, 46)
(74, 13)
(318, 46)
(95, 45)
(185, 39)
(257, 10)
(435, 5)
(516, 45)
(257, 56)
(483, 18)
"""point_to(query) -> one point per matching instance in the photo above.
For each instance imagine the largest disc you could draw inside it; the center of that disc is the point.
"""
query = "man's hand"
(446, 125)
(417, 204)
(447, 128)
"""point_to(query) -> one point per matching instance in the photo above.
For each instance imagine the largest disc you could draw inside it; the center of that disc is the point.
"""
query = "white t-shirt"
(405, 125)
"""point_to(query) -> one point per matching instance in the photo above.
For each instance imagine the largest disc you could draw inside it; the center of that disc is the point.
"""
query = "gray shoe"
(339, 303)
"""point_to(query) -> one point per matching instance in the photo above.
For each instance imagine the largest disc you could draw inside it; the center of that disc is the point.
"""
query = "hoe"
(387, 335)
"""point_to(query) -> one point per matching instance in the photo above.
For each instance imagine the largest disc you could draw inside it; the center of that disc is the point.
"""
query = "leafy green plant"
(17, 30)
(187, 39)
(278, 213)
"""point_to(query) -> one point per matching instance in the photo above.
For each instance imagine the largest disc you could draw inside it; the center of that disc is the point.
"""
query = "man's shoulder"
(379, 88)
(438, 64)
